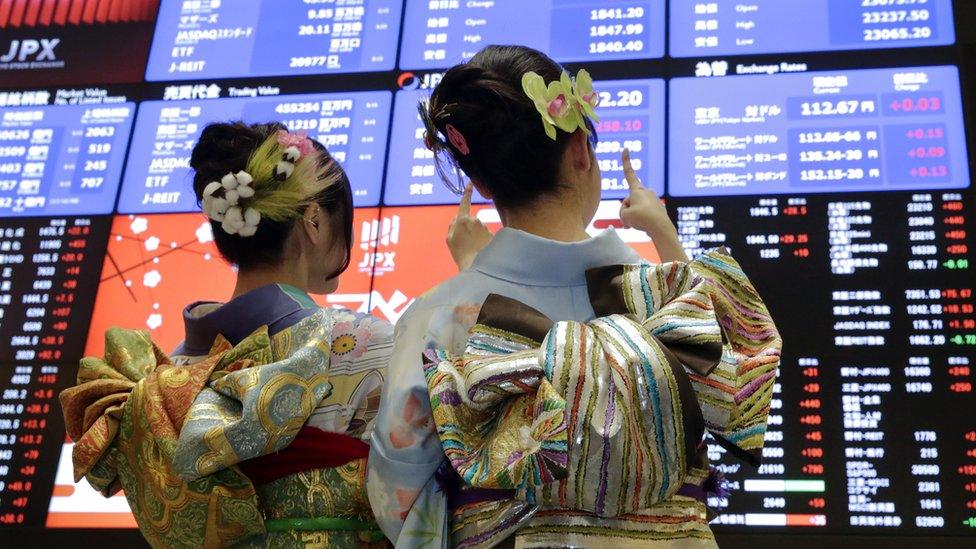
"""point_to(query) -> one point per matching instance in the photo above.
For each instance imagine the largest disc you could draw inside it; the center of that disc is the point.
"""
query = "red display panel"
(158, 264)
(154, 266)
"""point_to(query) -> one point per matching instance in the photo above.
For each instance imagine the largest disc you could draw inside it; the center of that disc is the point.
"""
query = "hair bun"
(506, 147)
(225, 148)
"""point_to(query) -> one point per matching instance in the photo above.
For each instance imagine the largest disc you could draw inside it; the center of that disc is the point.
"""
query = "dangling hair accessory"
(435, 143)
(428, 141)
(226, 208)
(565, 104)
(296, 146)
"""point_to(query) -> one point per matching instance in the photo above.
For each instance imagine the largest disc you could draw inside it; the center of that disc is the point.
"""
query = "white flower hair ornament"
(227, 209)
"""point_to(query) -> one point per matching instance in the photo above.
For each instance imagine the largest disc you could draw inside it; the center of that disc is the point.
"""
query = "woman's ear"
(311, 221)
(579, 148)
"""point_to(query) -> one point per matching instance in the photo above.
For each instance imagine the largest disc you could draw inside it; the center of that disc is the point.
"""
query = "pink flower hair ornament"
(298, 140)
(558, 107)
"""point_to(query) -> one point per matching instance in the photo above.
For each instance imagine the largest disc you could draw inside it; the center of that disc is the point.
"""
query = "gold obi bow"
(125, 416)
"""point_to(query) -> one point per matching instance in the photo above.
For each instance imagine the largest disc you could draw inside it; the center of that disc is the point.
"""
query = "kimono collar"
(239, 317)
(523, 258)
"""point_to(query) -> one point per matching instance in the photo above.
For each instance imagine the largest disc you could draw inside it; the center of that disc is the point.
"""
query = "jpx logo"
(22, 51)
(377, 233)
(380, 232)
(411, 81)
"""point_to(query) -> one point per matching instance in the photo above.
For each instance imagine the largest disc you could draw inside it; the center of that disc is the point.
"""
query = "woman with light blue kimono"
(556, 392)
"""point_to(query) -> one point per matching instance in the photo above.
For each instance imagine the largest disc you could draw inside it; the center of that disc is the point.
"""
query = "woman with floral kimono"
(556, 392)
(254, 432)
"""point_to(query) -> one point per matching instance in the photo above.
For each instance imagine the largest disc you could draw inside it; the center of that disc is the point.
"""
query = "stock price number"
(619, 46)
(613, 14)
(621, 99)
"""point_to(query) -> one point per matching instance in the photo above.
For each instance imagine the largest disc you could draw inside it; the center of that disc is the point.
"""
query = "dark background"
(112, 74)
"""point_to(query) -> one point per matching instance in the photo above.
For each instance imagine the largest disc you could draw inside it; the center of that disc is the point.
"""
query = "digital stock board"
(827, 143)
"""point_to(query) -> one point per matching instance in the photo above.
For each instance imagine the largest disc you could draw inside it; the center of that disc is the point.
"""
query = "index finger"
(464, 209)
(633, 182)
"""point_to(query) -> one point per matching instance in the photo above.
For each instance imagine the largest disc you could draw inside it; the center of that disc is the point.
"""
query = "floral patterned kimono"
(251, 435)
(557, 395)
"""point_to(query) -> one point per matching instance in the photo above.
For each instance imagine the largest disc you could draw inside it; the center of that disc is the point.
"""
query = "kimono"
(557, 395)
(252, 434)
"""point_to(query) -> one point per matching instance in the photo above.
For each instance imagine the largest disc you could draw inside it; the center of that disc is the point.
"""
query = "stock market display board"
(827, 143)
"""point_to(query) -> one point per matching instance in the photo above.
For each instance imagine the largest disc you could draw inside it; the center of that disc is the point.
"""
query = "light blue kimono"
(405, 450)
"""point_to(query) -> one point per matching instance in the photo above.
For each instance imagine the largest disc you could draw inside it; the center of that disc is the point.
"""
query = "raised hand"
(643, 210)
(467, 235)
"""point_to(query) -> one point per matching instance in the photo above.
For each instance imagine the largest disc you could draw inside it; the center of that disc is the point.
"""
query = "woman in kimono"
(254, 432)
(556, 392)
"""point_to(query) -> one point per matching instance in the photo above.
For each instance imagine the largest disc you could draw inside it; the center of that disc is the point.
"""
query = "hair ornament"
(587, 98)
(215, 207)
(558, 107)
(243, 223)
(226, 209)
(252, 218)
(565, 103)
(296, 146)
(457, 140)
(299, 140)
(210, 189)
(435, 142)
(283, 169)
(292, 154)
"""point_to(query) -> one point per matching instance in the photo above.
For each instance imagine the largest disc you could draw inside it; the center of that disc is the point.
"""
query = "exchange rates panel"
(631, 116)
(221, 39)
(822, 132)
(733, 27)
(873, 294)
(62, 160)
(441, 33)
(353, 126)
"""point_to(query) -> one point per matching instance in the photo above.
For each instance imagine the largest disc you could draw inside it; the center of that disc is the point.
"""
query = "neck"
(559, 218)
(255, 278)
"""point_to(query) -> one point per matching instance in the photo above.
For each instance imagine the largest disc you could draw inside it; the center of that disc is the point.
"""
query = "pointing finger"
(464, 210)
(633, 182)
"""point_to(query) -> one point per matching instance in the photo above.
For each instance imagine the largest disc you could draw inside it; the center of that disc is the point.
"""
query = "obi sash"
(604, 417)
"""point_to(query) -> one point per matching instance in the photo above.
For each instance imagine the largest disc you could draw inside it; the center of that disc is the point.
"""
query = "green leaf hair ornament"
(565, 103)
(282, 177)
